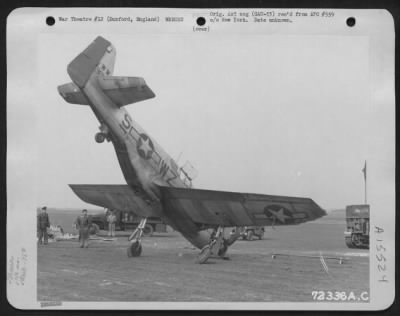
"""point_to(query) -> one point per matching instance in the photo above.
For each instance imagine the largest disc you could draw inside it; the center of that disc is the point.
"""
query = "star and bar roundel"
(145, 147)
(278, 214)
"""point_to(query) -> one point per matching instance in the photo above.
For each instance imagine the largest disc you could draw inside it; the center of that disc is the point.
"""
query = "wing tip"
(320, 211)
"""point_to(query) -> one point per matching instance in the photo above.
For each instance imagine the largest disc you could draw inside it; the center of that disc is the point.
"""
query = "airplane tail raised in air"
(99, 57)
(100, 54)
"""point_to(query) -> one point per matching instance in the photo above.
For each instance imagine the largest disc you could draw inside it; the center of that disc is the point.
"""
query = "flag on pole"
(364, 170)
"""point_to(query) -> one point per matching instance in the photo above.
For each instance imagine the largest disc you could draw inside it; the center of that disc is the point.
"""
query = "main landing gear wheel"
(218, 246)
(261, 234)
(204, 254)
(100, 137)
(134, 250)
(224, 248)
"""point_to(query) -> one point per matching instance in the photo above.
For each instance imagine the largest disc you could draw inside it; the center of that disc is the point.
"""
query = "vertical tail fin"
(99, 53)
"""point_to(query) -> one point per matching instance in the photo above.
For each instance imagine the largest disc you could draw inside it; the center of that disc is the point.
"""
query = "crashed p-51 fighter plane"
(156, 186)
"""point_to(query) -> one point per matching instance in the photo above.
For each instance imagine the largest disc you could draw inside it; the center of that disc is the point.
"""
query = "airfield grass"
(166, 270)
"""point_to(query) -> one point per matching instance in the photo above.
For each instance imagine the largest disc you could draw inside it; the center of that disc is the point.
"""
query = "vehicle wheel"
(348, 242)
(94, 229)
(99, 137)
(134, 250)
(148, 230)
(250, 235)
(261, 235)
(356, 241)
(204, 254)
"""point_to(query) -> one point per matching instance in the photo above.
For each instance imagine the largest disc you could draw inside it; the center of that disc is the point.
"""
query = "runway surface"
(166, 271)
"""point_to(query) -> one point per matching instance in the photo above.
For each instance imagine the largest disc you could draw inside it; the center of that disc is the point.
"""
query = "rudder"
(81, 68)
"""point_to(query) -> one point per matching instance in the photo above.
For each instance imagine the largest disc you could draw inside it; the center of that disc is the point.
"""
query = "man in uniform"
(83, 223)
(42, 224)
(111, 219)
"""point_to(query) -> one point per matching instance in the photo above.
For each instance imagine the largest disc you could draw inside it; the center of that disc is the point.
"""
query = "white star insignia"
(145, 146)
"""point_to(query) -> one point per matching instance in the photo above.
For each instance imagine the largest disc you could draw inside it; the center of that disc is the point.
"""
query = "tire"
(358, 242)
(148, 230)
(139, 251)
(250, 235)
(94, 229)
(348, 242)
(261, 235)
(224, 248)
(134, 250)
(99, 137)
(355, 240)
(204, 254)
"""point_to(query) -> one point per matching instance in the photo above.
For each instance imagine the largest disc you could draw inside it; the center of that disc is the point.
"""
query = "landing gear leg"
(135, 248)
(217, 247)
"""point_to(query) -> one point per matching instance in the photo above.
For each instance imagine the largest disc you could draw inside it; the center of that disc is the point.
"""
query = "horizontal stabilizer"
(72, 94)
(116, 197)
(121, 90)
(125, 90)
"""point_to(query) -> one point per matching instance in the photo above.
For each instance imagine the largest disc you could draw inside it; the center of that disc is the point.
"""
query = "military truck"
(250, 232)
(357, 226)
(127, 221)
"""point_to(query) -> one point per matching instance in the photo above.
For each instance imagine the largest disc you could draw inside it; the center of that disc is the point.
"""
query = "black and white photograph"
(200, 159)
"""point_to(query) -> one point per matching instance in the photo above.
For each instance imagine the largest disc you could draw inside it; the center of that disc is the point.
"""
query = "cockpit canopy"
(188, 173)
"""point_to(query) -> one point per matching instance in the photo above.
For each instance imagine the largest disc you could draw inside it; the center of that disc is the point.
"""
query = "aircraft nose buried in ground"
(156, 187)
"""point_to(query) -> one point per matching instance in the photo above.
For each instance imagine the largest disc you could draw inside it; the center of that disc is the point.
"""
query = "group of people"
(83, 224)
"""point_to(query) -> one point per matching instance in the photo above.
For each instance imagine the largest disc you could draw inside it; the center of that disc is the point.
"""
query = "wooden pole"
(365, 191)
(365, 182)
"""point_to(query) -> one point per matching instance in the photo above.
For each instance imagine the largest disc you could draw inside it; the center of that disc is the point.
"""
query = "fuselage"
(145, 165)
(151, 164)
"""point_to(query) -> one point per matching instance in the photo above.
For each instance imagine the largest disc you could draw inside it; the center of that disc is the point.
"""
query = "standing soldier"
(111, 223)
(83, 223)
(42, 224)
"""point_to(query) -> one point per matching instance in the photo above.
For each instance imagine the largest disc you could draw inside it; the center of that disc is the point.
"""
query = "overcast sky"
(285, 115)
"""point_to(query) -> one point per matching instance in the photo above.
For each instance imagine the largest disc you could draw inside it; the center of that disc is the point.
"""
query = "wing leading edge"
(238, 209)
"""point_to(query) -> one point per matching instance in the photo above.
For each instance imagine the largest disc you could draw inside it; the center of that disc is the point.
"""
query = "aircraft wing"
(118, 197)
(237, 209)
